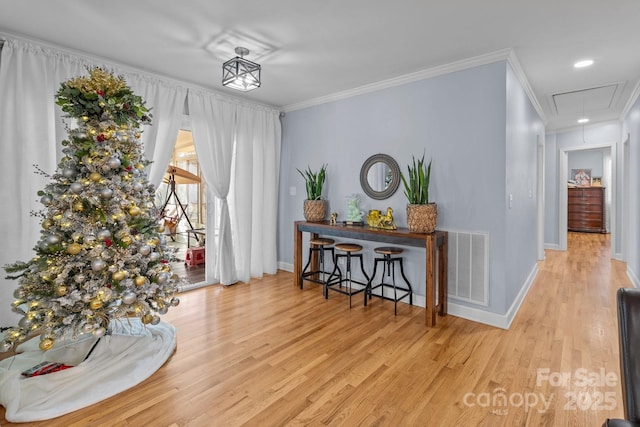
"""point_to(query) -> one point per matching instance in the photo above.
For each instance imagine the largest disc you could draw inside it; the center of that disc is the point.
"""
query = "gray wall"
(587, 159)
(524, 128)
(460, 120)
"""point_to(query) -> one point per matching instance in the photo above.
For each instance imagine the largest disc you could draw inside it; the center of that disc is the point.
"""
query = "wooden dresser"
(586, 209)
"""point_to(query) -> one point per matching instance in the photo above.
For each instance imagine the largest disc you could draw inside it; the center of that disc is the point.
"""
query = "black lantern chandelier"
(239, 73)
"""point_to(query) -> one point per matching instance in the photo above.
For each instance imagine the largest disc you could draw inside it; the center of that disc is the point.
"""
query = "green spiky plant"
(314, 182)
(416, 184)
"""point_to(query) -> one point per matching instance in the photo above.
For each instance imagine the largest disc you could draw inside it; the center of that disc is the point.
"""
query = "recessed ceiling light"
(583, 63)
(583, 120)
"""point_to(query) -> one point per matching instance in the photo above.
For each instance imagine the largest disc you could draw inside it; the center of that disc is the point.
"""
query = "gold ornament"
(147, 318)
(161, 228)
(46, 224)
(95, 176)
(46, 344)
(135, 211)
(78, 206)
(126, 240)
(140, 280)
(95, 304)
(85, 118)
(61, 290)
(74, 248)
(119, 275)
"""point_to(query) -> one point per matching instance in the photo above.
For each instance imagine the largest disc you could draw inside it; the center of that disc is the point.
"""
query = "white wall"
(460, 121)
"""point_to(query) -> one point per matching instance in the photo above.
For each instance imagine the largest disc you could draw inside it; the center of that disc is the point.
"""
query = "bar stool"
(350, 251)
(318, 245)
(389, 260)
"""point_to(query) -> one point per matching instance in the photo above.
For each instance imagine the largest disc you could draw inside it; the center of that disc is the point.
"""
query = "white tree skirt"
(131, 354)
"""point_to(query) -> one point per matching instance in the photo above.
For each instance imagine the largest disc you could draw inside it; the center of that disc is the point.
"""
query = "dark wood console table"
(434, 243)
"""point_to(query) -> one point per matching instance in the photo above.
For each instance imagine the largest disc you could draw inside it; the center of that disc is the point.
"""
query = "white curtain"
(31, 130)
(255, 201)
(213, 127)
(167, 107)
(238, 148)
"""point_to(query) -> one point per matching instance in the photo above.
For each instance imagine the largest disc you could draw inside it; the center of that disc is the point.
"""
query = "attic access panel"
(585, 100)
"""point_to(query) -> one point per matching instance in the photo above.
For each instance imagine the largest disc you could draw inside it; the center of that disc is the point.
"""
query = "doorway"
(563, 193)
(181, 198)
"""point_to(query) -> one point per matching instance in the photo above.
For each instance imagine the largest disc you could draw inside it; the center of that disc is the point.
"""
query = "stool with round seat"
(349, 251)
(389, 259)
(318, 246)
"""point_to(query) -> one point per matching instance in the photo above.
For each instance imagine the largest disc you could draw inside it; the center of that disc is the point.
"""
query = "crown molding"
(499, 55)
(632, 100)
(512, 59)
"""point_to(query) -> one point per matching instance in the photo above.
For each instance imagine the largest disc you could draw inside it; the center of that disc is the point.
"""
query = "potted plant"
(315, 208)
(422, 216)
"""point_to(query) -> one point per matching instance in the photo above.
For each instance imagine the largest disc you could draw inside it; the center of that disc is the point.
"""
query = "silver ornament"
(78, 278)
(163, 278)
(106, 193)
(129, 297)
(5, 346)
(114, 163)
(163, 310)
(138, 187)
(99, 332)
(76, 187)
(154, 256)
(19, 293)
(144, 250)
(98, 264)
(53, 239)
(46, 200)
(155, 320)
(175, 301)
(25, 323)
(69, 172)
(104, 234)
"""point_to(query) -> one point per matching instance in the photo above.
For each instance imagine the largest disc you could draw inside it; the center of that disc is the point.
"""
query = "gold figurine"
(375, 219)
(333, 218)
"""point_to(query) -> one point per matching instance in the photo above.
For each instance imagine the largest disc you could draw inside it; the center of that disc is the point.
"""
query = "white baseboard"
(502, 321)
(285, 266)
(632, 276)
(552, 246)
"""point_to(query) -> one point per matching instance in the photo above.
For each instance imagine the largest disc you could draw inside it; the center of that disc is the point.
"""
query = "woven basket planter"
(315, 210)
(422, 218)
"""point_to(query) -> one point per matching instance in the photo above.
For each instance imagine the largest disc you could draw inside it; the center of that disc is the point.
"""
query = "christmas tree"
(101, 255)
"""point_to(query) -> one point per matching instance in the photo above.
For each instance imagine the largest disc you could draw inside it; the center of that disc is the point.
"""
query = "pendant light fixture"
(239, 73)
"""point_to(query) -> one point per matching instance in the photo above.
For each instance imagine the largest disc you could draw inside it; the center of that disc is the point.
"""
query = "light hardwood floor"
(268, 354)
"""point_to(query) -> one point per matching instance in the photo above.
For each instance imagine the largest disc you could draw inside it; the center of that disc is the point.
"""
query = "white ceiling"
(320, 50)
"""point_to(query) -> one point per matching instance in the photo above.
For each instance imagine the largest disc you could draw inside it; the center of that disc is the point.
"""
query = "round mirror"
(380, 176)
